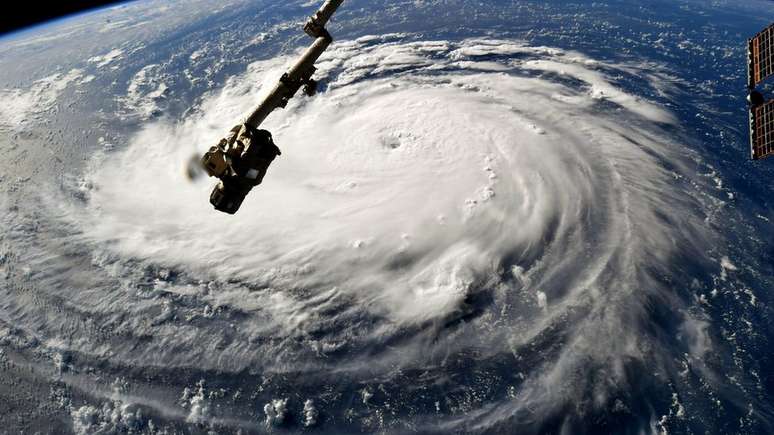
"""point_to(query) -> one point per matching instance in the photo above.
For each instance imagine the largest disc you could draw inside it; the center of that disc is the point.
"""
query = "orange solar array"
(762, 130)
(761, 51)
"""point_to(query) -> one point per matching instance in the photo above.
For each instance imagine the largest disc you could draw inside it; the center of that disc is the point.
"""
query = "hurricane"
(475, 235)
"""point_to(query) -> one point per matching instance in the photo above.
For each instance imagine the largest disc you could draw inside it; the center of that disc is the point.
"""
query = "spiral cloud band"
(500, 223)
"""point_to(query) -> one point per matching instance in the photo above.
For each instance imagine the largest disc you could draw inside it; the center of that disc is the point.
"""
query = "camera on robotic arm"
(239, 161)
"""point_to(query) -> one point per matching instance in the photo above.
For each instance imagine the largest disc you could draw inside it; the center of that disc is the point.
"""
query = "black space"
(27, 13)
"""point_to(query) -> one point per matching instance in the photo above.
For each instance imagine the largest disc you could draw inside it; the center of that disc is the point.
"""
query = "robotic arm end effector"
(240, 161)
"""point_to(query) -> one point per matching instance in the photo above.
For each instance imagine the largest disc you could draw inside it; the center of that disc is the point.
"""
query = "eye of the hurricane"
(473, 198)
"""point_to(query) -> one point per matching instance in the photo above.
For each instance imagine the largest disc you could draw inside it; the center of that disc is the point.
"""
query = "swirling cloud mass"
(503, 225)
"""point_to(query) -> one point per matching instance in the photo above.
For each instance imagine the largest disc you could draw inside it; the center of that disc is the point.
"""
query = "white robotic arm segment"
(316, 24)
(300, 74)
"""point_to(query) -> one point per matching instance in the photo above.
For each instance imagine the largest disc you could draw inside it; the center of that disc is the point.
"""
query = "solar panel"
(761, 56)
(762, 130)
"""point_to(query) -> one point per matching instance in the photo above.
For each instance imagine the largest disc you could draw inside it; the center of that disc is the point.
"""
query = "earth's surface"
(496, 217)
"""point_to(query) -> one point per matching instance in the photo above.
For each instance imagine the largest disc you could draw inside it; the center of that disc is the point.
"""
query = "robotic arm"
(241, 160)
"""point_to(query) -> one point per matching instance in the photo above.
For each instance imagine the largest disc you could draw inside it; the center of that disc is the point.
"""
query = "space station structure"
(760, 66)
(241, 159)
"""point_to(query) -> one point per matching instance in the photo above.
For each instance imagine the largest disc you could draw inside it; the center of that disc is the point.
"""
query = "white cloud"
(275, 412)
(107, 58)
(310, 413)
(146, 94)
(25, 107)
